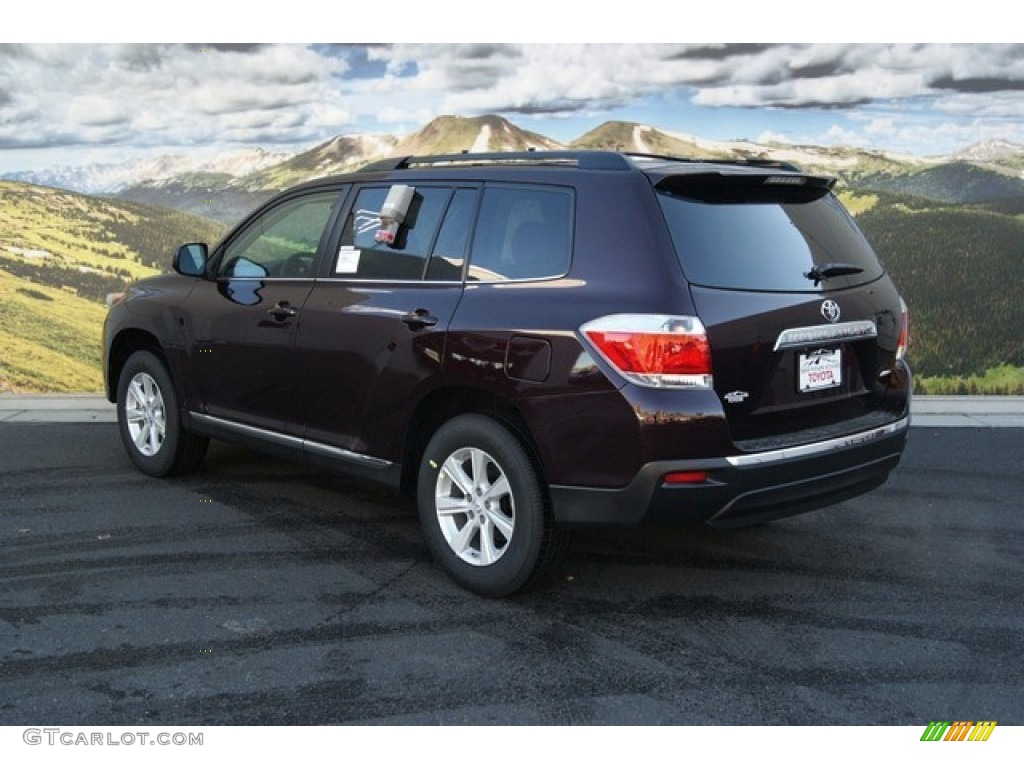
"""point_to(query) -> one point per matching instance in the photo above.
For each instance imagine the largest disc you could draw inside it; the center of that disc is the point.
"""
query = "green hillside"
(200, 196)
(960, 270)
(60, 254)
(957, 183)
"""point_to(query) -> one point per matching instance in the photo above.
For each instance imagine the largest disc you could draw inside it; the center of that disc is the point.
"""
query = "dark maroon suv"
(530, 342)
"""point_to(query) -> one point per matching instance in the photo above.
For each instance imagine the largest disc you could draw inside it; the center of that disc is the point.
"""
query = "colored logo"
(961, 730)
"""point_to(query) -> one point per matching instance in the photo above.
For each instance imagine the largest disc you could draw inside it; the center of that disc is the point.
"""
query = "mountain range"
(948, 229)
(226, 187)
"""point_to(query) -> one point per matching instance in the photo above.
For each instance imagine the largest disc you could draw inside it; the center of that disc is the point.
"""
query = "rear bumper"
(743, 489)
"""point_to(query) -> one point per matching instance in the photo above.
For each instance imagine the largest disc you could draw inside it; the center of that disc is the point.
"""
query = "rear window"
(766, 241)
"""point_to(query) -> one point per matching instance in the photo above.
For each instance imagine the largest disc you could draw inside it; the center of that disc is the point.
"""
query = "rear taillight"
(654, 350)
(901, 345)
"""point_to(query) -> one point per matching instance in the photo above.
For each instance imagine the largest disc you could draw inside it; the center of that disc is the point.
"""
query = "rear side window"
(522, 233)
(766, 242)
(362, 257)
(450, 249)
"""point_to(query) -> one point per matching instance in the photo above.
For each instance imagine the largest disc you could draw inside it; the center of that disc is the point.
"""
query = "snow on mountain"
(258, 169)
(990, 151)
(483, 140)
(108, 178)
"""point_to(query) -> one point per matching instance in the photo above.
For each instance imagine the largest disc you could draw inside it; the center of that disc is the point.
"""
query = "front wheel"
(149, 419)
(482, 508)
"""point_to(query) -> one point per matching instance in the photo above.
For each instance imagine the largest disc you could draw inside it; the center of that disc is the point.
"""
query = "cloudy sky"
(74, 104)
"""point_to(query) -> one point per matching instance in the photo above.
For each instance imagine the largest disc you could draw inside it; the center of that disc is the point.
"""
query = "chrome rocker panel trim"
(290, 441)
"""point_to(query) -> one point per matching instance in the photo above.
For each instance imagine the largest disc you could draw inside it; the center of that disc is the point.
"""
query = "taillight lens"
(901, 345)
(654, 350)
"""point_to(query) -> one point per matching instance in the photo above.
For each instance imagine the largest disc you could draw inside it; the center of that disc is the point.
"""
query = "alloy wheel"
(474, 506)
(145, 414)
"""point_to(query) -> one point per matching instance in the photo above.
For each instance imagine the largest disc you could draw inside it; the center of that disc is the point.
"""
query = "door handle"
(419, 318)
(282, 311)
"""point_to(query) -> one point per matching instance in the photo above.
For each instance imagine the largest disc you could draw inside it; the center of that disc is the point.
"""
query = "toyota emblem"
(830, 310)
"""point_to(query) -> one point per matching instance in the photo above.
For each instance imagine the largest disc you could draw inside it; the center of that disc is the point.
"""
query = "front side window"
(282, 242)
(522, 233)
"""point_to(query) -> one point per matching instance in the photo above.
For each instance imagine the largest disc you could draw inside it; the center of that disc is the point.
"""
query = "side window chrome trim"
(268, 279)
(385, 280)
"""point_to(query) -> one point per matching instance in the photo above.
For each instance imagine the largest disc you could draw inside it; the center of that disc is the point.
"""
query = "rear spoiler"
(746, 185)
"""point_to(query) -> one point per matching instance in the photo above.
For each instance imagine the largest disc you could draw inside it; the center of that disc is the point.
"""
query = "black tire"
(500, 539)
(149, 419)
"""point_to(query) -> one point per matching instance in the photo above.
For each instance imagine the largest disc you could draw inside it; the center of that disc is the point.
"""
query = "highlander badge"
(736, 397)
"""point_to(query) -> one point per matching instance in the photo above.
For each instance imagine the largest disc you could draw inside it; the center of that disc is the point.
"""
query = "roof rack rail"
(589, 159)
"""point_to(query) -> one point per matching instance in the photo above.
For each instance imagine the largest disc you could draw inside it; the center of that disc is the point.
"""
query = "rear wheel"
(149, 419)
(482, 508)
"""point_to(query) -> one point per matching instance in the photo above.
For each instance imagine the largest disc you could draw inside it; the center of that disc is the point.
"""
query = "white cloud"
(837, 135)
(166, 95)
(880, 126)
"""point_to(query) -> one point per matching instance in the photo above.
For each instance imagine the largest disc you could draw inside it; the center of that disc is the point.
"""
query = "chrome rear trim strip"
(826, 446)
(824, 334)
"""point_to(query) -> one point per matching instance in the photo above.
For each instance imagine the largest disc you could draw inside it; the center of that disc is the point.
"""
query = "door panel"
(241, 327)
(363, 367)
(372, 334)
(241, 354)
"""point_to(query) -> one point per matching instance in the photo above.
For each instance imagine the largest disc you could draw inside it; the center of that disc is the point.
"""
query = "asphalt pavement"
(257, 591)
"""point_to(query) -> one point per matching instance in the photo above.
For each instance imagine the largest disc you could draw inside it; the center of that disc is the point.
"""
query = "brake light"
(654, 350)
(901, 345)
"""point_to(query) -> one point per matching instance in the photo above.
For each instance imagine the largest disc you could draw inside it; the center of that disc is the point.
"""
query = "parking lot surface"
(261, 592)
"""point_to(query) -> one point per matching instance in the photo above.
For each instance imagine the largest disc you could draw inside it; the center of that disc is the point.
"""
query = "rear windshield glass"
(757, 243)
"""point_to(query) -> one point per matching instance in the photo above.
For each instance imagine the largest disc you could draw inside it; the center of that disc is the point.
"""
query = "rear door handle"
(282, 311)
(419, 318)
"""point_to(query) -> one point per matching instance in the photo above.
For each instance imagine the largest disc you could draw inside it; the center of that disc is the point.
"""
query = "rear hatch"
(802, 320)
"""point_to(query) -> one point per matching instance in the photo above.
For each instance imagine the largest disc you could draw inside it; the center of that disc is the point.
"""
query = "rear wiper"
(821, 272)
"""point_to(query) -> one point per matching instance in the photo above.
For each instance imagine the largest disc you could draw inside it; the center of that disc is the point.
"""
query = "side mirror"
(190, 259)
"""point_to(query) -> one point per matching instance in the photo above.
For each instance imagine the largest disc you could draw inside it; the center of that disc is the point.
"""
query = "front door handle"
(419, 318)
(282, 311)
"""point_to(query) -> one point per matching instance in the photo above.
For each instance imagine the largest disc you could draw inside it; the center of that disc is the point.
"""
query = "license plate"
(820, 369)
